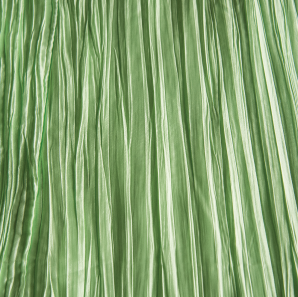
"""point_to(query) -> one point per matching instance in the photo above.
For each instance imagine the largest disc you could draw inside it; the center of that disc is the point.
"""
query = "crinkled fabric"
(148, 148)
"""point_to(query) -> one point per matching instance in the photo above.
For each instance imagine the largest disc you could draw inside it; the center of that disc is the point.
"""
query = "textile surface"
(148, 148)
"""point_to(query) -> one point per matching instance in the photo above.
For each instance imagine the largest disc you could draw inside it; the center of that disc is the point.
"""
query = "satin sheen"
(148, 148)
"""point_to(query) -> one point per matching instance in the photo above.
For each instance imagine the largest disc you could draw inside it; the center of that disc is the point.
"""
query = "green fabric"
(148, 148)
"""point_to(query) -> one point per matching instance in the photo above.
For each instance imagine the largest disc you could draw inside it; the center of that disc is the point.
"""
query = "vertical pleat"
(148, 148)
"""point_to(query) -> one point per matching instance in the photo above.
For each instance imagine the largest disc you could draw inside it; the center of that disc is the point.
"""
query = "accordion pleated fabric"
(148, 148)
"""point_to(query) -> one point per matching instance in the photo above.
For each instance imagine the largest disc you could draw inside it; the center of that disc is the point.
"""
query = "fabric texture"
(148, 148)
